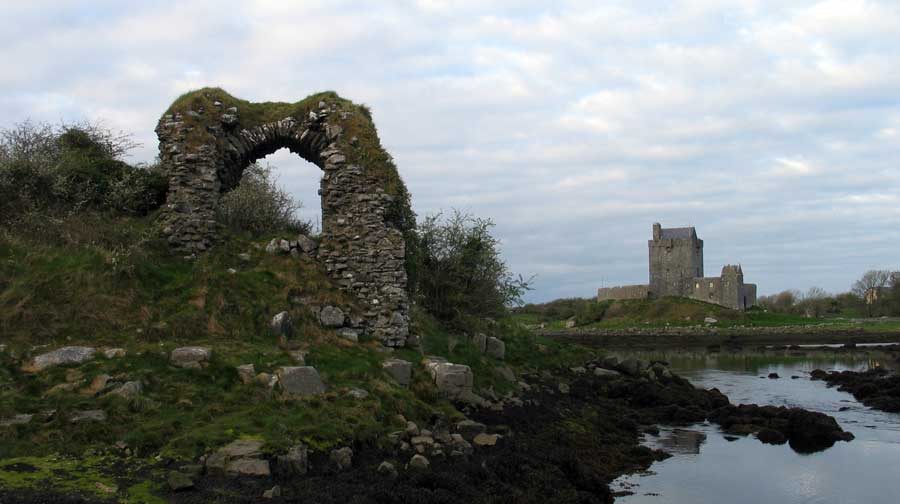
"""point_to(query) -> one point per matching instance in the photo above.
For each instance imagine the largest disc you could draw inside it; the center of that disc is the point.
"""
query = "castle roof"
(682, 233)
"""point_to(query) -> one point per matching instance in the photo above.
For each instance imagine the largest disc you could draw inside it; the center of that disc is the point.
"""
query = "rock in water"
(65, 355)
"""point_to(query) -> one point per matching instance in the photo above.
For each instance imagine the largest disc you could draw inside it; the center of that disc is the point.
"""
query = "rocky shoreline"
(876, 388)
(729, 337)
(564, 438)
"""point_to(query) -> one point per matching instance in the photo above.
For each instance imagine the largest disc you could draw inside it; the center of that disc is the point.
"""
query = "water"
(708, 468)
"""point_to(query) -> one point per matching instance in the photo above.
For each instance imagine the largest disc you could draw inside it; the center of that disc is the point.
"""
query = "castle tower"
(676, 258)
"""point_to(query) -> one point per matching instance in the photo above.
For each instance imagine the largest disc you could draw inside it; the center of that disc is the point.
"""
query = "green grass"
(103, 283)
(679, 312)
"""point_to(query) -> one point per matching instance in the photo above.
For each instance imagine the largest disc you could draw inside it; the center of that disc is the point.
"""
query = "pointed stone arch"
(206, 140)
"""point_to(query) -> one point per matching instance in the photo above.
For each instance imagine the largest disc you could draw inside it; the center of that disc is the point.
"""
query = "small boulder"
(242, 448)
(400, 370)
(190, 357)
(178, 481)
(341, 458)
(453, 380)
(21, 419)
(294, 463)
(98, 384)
(774, 376)
(570, 324)
(506, 373)
(606, 373)
(65, 355)
(87, 416)
(484, 440)
(710, 320)
(418, 462)
(496, 348)
(480, 342)
(273, 492)
(114, 353)
(246, 373)
(306, 244)
(248, 467)
(349, 334)
(387, 469)
(129, 390)
(300, 381)
(331, 316)
(281, 325)
(468, 429)
(357, 393)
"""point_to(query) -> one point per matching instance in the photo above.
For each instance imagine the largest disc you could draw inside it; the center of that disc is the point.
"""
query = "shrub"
(71, 168)
(259, 205)
(462, 274)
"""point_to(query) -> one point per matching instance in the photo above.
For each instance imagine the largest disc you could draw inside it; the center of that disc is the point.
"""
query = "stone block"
(400, 370)
(300, 381)
(64, 355)
(496, 348)
(190, 357)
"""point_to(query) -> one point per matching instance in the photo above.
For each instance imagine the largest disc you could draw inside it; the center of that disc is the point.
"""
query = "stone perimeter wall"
(624, 292)
(360, 250)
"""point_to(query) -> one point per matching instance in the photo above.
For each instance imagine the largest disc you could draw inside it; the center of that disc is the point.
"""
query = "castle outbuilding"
(676, 269)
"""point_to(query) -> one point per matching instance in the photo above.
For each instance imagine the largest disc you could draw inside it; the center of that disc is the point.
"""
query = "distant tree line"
(875, 294)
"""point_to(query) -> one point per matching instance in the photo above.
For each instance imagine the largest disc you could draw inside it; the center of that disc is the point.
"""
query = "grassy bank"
(103, 281)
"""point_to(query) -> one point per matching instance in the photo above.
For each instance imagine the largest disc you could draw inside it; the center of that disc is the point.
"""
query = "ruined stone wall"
(673, 264)
(749, 295)
(624, 292)
(360, 248)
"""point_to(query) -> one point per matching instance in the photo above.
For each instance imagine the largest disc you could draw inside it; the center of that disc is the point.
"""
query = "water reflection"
(708, 468)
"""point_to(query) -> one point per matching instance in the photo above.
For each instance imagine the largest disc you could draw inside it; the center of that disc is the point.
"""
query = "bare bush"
(259, 205)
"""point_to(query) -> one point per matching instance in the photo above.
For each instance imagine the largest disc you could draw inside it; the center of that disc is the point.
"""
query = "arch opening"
(207, 139)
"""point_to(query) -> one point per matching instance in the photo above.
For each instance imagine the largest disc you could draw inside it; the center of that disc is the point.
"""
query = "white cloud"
(573, 125)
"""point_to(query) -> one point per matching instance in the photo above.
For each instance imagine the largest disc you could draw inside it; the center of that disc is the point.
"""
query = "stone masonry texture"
(360, 248)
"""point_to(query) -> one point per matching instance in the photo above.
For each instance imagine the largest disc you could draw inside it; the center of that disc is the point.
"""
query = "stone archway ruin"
(208, 137)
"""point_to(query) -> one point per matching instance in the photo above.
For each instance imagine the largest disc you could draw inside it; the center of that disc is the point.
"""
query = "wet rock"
(774, 376)
(282, 326)
(771, 436)
(496, 348)
(294, 463)
(331, 316)
(300, 381)
(633, 367)
(190, 357)
(65, 355)
(418, 462)
(178, 481)
(400, 370)
(341, 458)
(818, 374)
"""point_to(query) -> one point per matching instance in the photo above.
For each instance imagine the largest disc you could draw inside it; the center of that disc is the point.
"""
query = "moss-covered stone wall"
(208, 137)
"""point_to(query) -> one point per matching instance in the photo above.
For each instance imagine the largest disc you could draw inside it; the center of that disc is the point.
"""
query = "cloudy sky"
(773, 127)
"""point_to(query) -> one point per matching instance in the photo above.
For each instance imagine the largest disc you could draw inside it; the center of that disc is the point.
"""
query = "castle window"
(697, 285)
(711, 285)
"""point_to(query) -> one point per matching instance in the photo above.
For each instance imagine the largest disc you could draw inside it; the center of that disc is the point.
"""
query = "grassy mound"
(103, 281)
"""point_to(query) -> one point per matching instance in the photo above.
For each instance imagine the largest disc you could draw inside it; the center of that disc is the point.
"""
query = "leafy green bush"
(462, 274)
(259, 205)
(71, 168)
